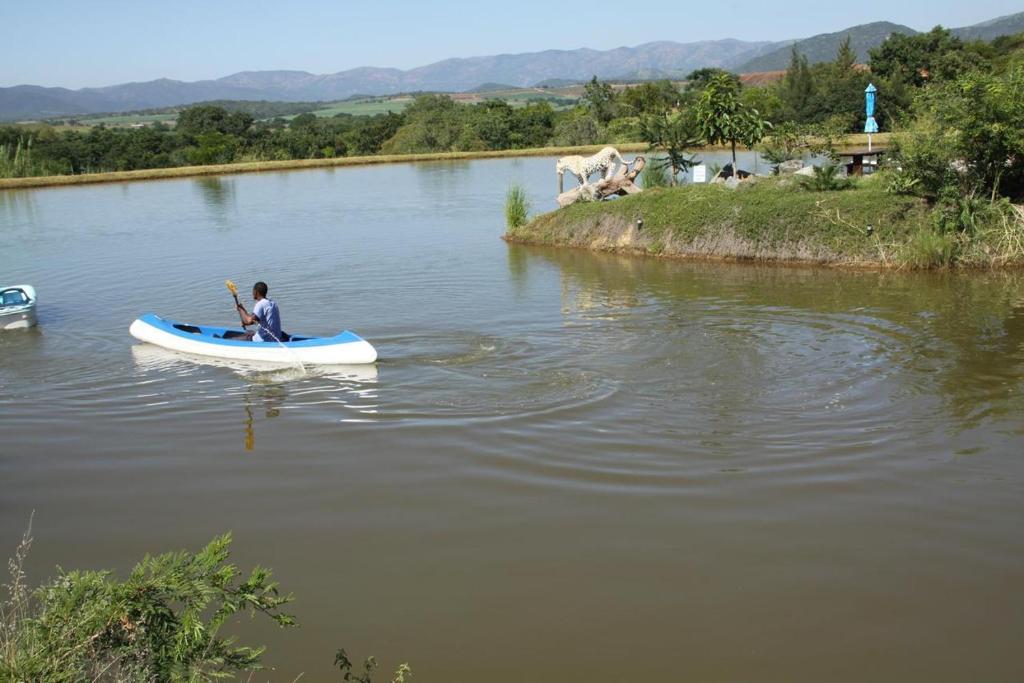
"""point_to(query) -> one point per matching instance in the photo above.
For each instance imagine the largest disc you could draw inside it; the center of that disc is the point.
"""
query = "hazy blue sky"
(102, 42)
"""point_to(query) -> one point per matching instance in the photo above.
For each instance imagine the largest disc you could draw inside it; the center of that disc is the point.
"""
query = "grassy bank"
(776, 220)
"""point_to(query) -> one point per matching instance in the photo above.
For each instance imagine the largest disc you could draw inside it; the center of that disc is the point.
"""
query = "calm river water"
(565, 467)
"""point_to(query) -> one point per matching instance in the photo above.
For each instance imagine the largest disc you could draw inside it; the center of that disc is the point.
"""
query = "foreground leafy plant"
(162, 624)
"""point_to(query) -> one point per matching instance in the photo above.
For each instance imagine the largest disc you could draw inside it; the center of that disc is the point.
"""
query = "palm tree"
(672, 133)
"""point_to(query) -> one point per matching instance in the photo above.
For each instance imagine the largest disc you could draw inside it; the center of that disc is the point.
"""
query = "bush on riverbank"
(163, 623)
(775, 220)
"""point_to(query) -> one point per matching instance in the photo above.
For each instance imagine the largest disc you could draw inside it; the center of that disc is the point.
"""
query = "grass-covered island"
(951, 191)
(777, 219)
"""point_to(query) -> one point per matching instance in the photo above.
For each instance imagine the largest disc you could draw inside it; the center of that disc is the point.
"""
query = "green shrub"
(928, 248)
(925, 154)
(826, 178)
(898, 181)
(517, 206)
(776, 154)
(655, 175)
(979, 121)
(626, 129)
(161, 624)
(784, 143)
(576, 128)
(965, 214)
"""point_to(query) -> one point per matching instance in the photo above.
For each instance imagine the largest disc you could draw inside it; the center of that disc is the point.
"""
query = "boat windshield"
(13, 297)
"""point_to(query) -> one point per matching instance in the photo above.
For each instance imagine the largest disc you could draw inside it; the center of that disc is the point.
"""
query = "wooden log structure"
(621, 183)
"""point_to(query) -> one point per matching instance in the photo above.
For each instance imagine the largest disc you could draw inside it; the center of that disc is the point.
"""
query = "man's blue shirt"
(269, 321)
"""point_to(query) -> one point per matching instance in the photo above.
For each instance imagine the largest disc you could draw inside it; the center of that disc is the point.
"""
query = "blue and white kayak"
(17, 307)
(224, 342)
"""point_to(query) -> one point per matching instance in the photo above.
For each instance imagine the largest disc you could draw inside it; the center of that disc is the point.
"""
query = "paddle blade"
(231, 287)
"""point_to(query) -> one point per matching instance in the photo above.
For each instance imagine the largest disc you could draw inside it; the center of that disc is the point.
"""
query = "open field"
(560, 98)
(368, 107)
(130, 119)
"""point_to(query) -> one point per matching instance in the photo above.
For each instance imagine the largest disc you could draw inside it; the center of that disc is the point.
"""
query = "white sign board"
(700, 174)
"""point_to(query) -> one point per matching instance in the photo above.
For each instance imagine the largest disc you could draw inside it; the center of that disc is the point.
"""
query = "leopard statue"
(582, 167)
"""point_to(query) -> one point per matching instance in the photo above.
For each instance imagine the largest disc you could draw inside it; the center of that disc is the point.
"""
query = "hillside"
(989, 30)
(823, 47)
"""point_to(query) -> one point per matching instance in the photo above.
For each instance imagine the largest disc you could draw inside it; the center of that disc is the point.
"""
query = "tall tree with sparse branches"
(723, 119)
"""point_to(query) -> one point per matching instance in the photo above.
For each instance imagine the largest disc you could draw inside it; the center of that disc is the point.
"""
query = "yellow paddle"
(234, 293)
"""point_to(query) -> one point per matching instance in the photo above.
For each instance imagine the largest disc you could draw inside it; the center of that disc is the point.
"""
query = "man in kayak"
(264, 315)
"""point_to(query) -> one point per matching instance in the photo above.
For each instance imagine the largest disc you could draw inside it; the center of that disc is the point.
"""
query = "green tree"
(977, 123)
(701, 78)
(369, 134)
(532, 125)
(600, 100)
(577, 127)
(655, 97)
(213, 148)
(195, 121)
(722, 118)
(839, 87)
(237, 123)
(491, 122)
(916, 59)
(764, 99)
(433, 123)
(303, 121)
(846, 56)
(797, 89)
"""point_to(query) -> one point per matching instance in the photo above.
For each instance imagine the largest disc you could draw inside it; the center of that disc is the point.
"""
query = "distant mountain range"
(663, 59)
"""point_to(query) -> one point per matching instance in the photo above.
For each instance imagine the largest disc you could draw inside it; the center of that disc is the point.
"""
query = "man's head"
(259, 290)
